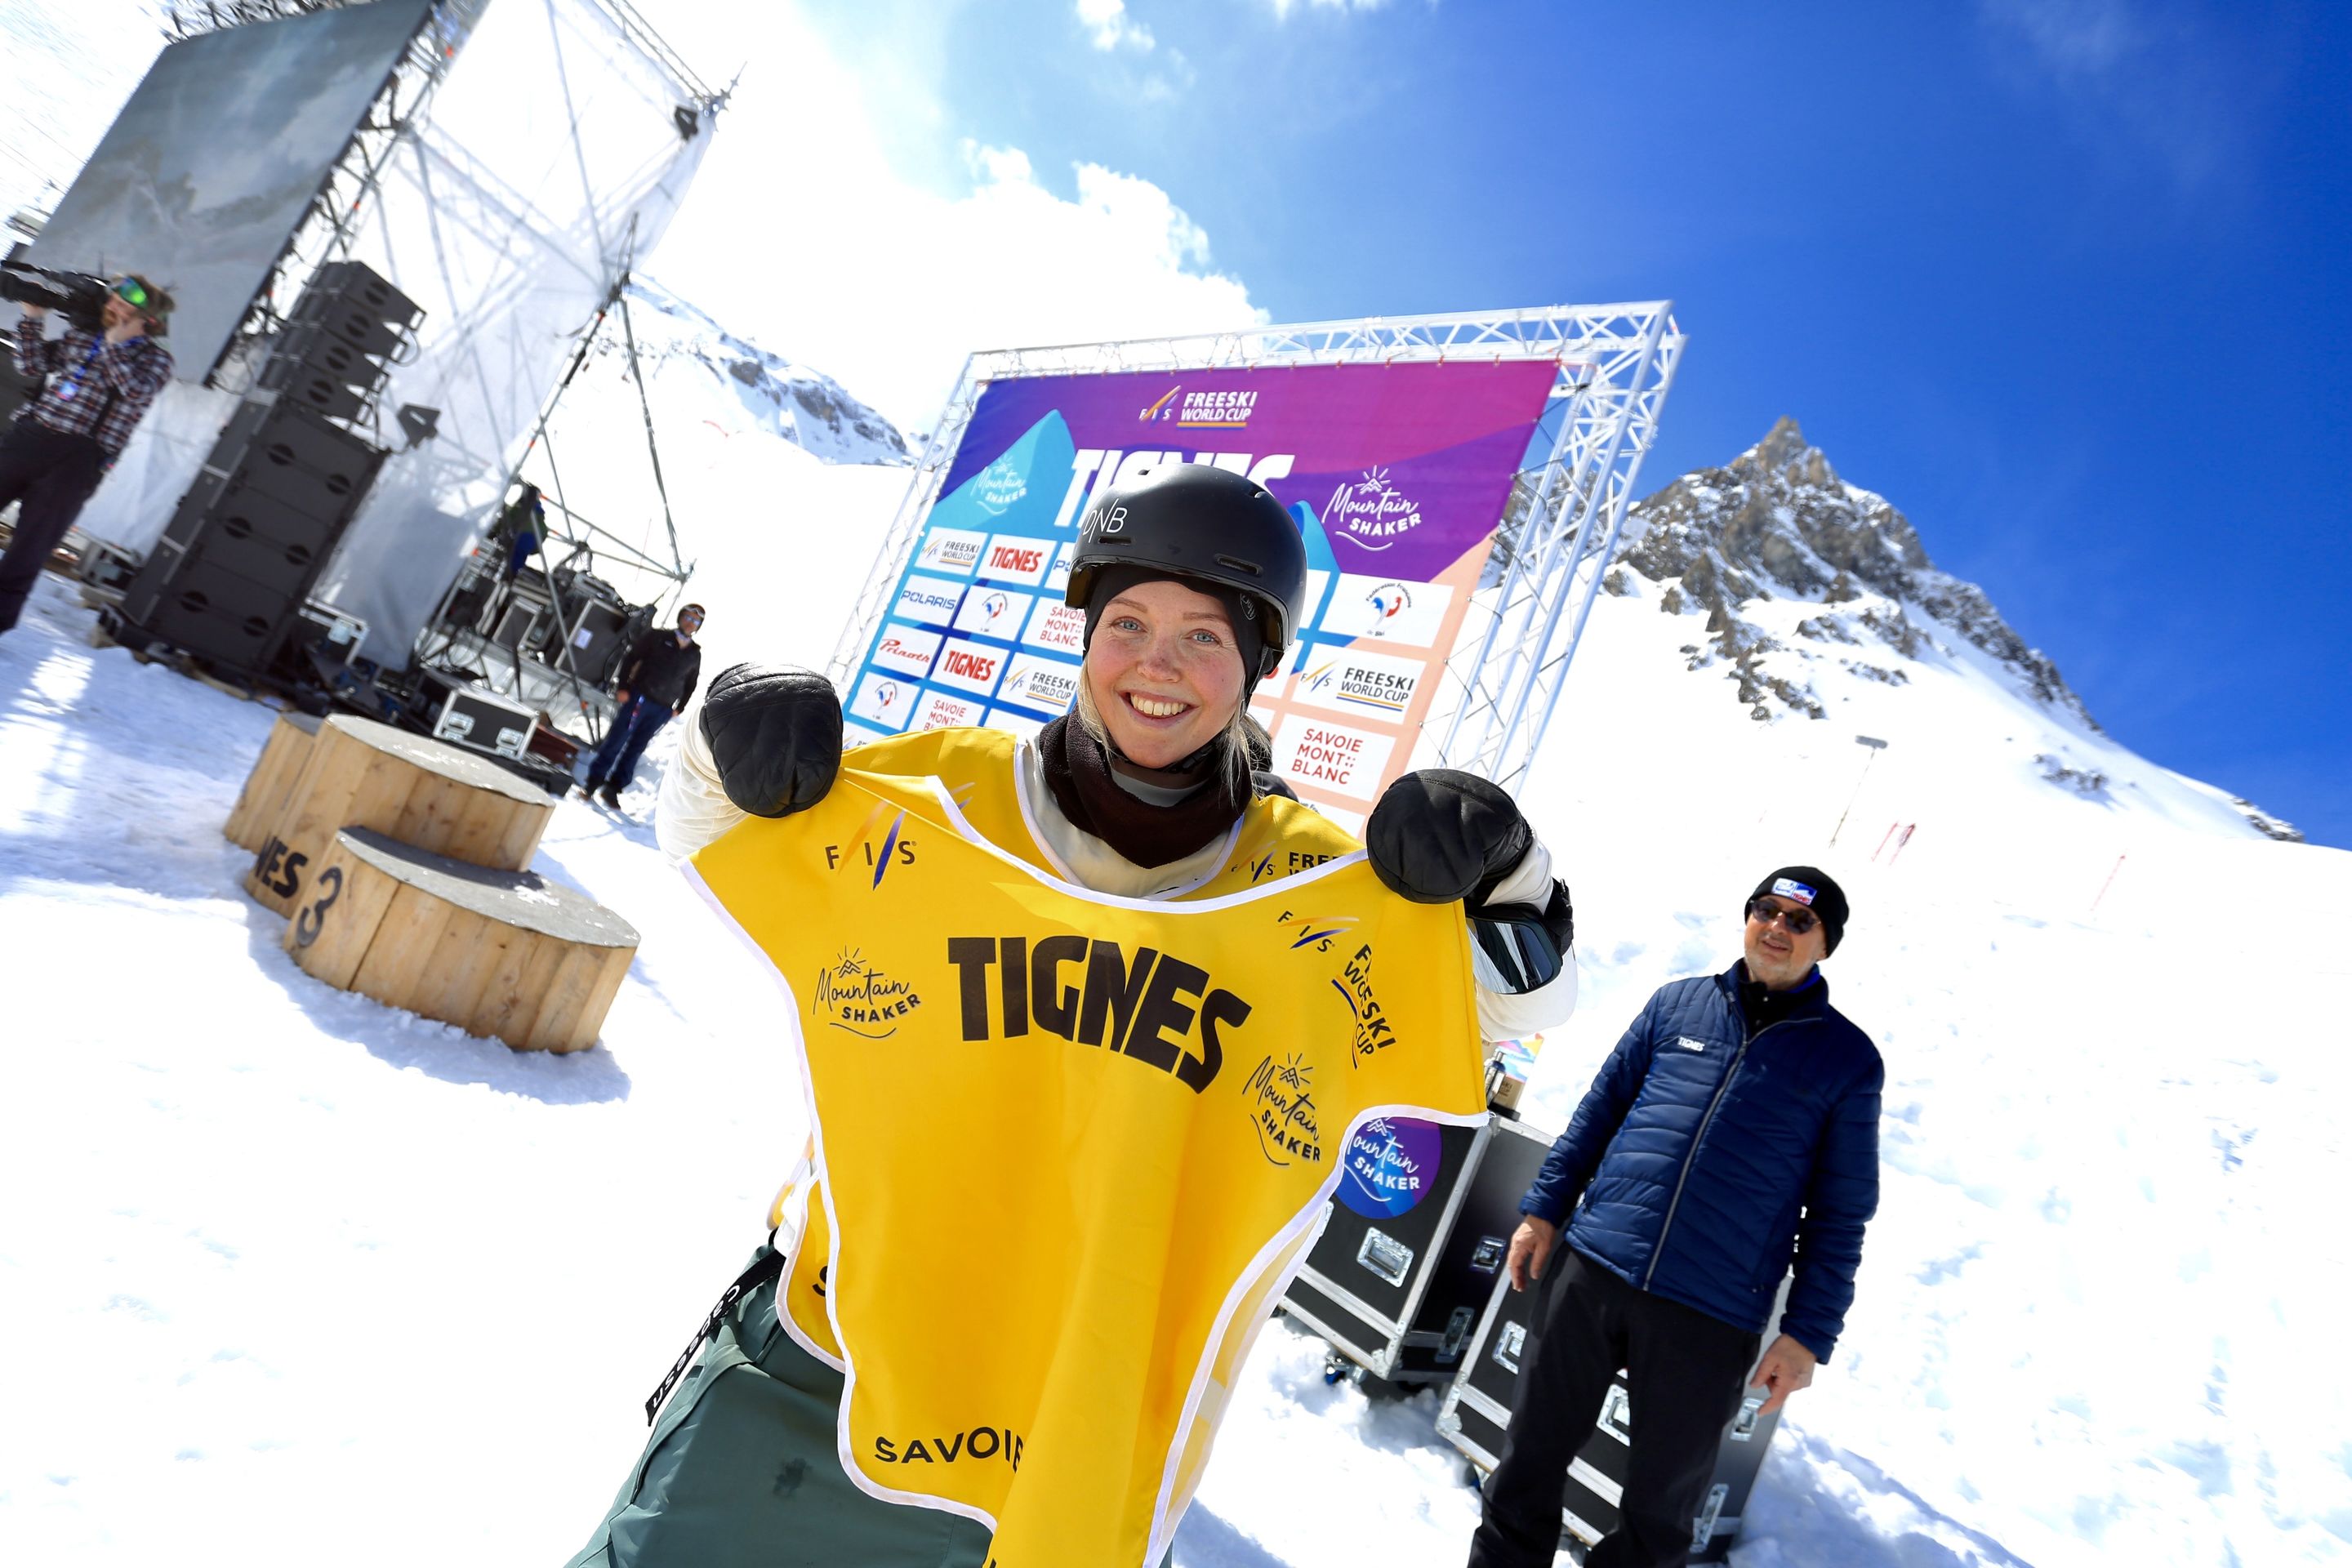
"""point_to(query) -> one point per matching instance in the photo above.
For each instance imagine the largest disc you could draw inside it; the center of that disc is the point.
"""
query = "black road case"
(1477, 1407)
(1414, 1242)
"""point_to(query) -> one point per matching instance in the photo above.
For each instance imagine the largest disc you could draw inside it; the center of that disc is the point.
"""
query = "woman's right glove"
(776, 733)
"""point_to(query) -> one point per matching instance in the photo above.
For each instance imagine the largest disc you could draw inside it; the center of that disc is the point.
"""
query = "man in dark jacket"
(657, 678)
(94, 386)
(1733, 1131)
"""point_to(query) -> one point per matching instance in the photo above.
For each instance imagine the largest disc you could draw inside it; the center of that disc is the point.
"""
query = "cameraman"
(64, 440)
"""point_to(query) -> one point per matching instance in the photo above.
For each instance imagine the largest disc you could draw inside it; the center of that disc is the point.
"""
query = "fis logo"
(862, 852)
(1315, 931)
(1259, 857)
(1163, 409)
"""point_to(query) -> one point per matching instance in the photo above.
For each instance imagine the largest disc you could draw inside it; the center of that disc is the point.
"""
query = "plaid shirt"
(100, 389)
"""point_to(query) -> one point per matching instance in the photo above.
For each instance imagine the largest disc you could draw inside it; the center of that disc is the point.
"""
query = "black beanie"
(1813, 887)
(1249, 632)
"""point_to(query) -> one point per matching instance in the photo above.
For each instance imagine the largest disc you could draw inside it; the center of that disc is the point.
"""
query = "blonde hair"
(1234, 760)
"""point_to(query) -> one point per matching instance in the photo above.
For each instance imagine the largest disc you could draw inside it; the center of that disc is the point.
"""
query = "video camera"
(77, 296)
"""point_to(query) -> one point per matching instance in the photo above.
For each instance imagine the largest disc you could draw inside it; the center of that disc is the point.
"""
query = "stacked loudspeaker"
(286, 476)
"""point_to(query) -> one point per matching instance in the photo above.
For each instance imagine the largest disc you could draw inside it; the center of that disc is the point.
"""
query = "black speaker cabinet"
(321, 371)
(248, 539)
(349, 302)
(312, 466)
(211, 611)
(595, 637)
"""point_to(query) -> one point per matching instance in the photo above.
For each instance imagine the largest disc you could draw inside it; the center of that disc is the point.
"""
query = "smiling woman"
(1028, 923)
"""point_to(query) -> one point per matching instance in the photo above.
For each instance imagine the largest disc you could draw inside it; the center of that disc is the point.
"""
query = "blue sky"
(2066, 281)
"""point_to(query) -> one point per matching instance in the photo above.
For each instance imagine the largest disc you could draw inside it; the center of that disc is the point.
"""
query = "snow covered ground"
(286, 1275)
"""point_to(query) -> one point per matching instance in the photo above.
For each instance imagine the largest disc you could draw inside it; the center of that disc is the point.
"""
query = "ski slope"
(285, 1274)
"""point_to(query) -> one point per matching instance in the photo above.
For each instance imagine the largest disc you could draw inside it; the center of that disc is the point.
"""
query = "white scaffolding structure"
(1615, 364)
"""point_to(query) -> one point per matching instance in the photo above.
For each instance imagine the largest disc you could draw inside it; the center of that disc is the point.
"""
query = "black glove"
(1438, 836)
(776, 733)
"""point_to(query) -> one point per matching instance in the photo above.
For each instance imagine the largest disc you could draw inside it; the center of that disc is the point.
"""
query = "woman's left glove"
(1439, 835)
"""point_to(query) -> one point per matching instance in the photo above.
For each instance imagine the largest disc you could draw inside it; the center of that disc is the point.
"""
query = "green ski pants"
(742, 1472)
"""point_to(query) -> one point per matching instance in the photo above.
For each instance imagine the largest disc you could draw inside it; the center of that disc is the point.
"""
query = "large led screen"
(201, 180)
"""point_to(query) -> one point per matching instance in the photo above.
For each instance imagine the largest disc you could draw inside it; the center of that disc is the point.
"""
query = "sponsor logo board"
(859, 735)
(1392, 610)
(942, 709)
(1057, 577)
(954, 550)
(884, 700)
(930, 600)
(1016, 558)
(1347, 680)
(1332, 756)
(905, 650)
(971, 666)
(994, 613)
(1048, 685)
(1061, 627)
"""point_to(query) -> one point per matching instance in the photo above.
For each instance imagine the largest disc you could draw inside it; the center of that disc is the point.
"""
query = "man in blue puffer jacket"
(1733, 1133)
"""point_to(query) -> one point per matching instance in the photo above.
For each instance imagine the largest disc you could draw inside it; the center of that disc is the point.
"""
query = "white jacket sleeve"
(1513, 1015)
(693, 808)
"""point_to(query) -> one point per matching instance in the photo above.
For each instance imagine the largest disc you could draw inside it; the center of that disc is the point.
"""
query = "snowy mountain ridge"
(1776, 530)
(678, 341)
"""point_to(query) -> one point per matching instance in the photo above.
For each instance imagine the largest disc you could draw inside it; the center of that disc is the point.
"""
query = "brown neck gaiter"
(1079, 773)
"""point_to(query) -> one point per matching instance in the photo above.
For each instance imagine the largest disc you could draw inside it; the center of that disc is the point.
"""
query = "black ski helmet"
(1190, 520)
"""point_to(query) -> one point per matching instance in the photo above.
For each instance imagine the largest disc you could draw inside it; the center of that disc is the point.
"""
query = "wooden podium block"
(263, 800)
(503, 954)
(425, 793)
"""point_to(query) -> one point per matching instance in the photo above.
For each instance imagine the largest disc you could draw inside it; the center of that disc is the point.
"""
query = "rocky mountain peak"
(1776, 522)
(803, 405)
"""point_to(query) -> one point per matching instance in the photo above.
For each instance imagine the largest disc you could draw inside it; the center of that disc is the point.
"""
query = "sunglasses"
(131, 292)
(1799, 921)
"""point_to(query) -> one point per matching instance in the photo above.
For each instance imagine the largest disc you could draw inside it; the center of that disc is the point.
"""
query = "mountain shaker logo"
(1371, 513)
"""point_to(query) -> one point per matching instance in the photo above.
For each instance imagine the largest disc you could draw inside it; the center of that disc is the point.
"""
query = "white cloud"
(804, 235)
(2070, 37)
(1283, 9)
(2144, 72)
(1108, 26)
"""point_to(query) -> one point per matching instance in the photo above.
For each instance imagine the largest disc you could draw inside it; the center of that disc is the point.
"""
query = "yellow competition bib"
(977, 769)
(1068, 1145)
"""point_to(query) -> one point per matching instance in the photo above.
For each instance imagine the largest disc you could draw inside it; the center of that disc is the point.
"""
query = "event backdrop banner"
(1396, 476)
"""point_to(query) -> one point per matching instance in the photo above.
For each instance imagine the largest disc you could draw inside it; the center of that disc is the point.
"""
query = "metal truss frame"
(1502, 681)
